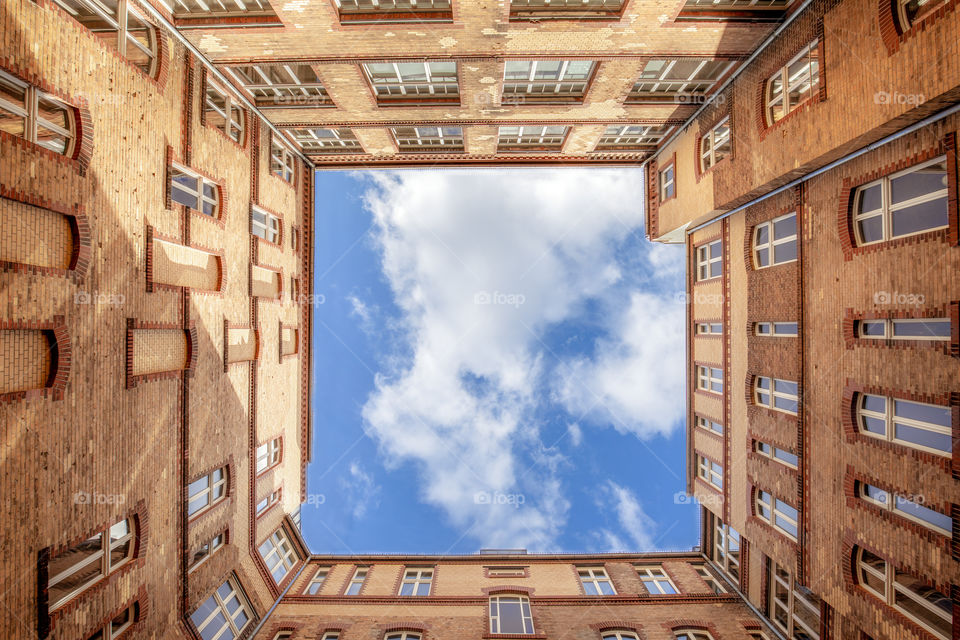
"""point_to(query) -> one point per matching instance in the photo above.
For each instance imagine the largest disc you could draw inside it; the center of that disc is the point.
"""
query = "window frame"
(394, 15)
(707, 159)
(706, 259)
(891, 502)
(277, 541)
(317, 580)
(680, 95)
(358, 579)
(222, 610)
(891, 419)
(595, 577)
(430, 98)
(103, 557)
(790, 586)
(716, 584)
(526, 613)
(30, 115)
(209, 490)
(772, 243)
(670, 167)
(691, 634)
(107, 630)
(283, 163)
(524, 143)
(772, 329)
(646, 573)
(774, 512)
(510, 96)
(434, 144)
(271, 227)
(566, 10)
(271, 451)
(904, 21)
(122, 29)
(708, 424)
(632, 137)
(707, 328)
(706, 379)
(296, 93)
(269, 502)
(201, 198)
(710, 472)
(416, 581)
(771, 453)
(343, 141)
(213, 545)
(618, 634)
(723, 552)
(890, 327)
(773, 394)
(230, 104)
(783, 74)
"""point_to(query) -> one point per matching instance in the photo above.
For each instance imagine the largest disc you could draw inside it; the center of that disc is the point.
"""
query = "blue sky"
(498, 362)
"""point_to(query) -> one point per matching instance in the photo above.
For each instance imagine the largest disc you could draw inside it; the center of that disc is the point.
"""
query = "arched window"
(909, 12)
(927, 427)
(402, 635)
(692, 634)
(618, 635)
(117, 25)
(793, 84)
(36, 116)
(82, 566)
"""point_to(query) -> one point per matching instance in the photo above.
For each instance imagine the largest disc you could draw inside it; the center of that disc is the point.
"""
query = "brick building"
(156, 238)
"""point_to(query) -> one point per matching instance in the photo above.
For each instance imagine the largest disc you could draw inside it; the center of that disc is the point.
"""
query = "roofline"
(487, 558)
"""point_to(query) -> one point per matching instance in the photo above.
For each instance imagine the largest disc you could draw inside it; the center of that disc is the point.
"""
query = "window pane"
(785, 252)
(785, 228)
(922, 437)
(925, 514)
(785, 386)
(871, 229)
(922, 182)
(873, 328)
(922, 412)
(926, 329)
(763, 257)
(877, 404)
(786, 456)
(919, 217)
(871, 198)
(940, 617)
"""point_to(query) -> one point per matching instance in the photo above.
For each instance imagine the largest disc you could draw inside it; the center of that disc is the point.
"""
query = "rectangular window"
(117, 627)
(777, 394)
(793, 608)
(710, 379)
(927, 427)
(777, 329)
(749, 10)
(902, 204)
(712, 581)
(506, 572)
(565, 9)
(390, 11)
(203, 553)
(429, 139)
(937, 329)
(37, 117)
(225, 614)
(282, 85)
(117, 25)
(546, 138)
(595, 581)
(709, 328)
(269, 501)
(283, 164)
(356, 582)
(632, 137)
(776, 453)
(656, 580)
(418, 83)
(510, 615)
(80, 567)
(678, 80)
(316, 583)
(709, 260)
(775, 241)
(220, 9)
(278, 554)
(324, 141)
(416, 582)
(709, 471)
(295, 519)
(264, 225)
(794, 84)
(715, 145)
(912, 509)
(668, 187)
(206, 491)
(194, 191)
(709, 425)
(546, 81)
(224, 112)
(777, 513)
(726, 548)
(268, 454)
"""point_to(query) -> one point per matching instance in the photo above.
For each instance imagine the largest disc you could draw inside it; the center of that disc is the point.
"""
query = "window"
(595, 581)
(381, 11)
(268, 454)
(116, 24)
(754, 10)
(80, 567)
(632, 137)
(203, 553)
(678, 80)
(910, 596)
(546, 80)
(794, 84)
(715, 584)
(37, 117)
(709, 471)
(692, 634)
(506, 572)
(278, 554)
(264, 225)
(206, 491)
(715, 145)
(564, 9)
(331, 635)
(316, 583)
(709, 425)
(356, 582)
(282, 85)
(905, 329)
(655, 580)
(402, 635)
(911, 11)
(776, 512)
(194, 191)
(223, 615)
(777, 394)
(710, 379)
(546, 138)
(794, 609)
(709, 328)
(283, 635)
(420, 83)
(510, 614)
(120, 624)
(220, 8)
(269, 501)
(911, 509)
(776, 453)
(295, 519)
(618, 635)
(777, 329)
(282, 162)
(726, 548)
(709, 260)
(902, 204)
(224, 112)
(416, 582)
(429, 139)
(668, 187)
(319, 141)
(775, 242)
(927, 427)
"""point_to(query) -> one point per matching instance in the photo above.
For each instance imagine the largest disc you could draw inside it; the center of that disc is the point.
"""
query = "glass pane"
(763, 257)
(511, 616)
(925, 514)
(412, 71)
(785, 386)
(548, 70)
(874, 493)
(922, 182)
(920, 217)
(716, 249)
(77, 555)
(874, 425)
(873, 328)
(198, 485)
(51, 140)
(871, 198)
(11, 123)
(763, 234)
(922, 412)
(940, 617)
(578, 70)
(926, 329)
(877, 404)
(785, 228)
(871, 229)
(443, 70)
(786, 456)
(785, 252)
(53, 112)
(922, 437)
(203, 611)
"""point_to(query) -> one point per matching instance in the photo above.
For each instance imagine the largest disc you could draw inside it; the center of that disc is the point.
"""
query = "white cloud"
(575, 433)
(361, 489)
(636, 527)
(365, 313)
(480, 263)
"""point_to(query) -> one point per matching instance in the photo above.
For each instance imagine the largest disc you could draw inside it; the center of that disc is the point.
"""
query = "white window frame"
(710, 472)
(198, 194)
(716, 584)
(886, 209)
(278, 549)
(384, 90)
(416, 577)
(890, 589)
(775, 453)
(120, 24)
(771, 243)
(632, 136)
(652, 575)
(710, 141)
(707, 424)
(357, 580)
(904, 19)
(267, 229)
(771, 510)
(229, 8)
(102, 557)
(809, 75)
(705, 261)
(214, 492)
(595, 577)
(724, 539)
(891, 502)
(777, 329)
(293, 93)
(615, 634)
(890, 329)
(707, 378)
(234, 127)
(531, 137)
(318, 580)
(269, 454)
(526, 613)
(692, 634)
(402, 635)
(283, 163)
(213, 545)
(506, 572)
(229, 620)
(668, 182)
(666, 89)
(341, 140)
(709, 328)
(30, 112)
(421, 141)
(270, 501)
(112, 630)
(560, 86)
(890, 421)
(793, 599)
(772, 394)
